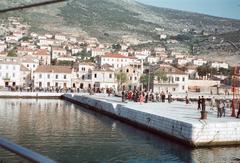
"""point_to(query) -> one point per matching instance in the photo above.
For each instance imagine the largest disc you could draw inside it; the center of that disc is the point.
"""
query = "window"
(48, 76)
(27, 65)
(95, 75)
(40, 76)
(127, 70)
(13, 75)
(176, 78)
(130, 78)
(33, 65)
(13, 67)
(83, 77)
(135, 78)
(65, 76)
(183, 88)
(183, 79)
(48, 84)
(6, 67)
(110, 76)
(56, 76)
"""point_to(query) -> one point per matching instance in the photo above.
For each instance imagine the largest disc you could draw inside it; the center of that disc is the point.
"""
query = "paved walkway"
(175, 110)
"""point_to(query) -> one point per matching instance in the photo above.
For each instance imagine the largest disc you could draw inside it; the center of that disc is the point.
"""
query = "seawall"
(181, 126)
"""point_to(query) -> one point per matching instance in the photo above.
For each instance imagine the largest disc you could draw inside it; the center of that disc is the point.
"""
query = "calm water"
(68, 133)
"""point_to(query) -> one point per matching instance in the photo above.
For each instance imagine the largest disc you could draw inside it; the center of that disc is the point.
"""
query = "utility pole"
(148, 85)
(234, 93)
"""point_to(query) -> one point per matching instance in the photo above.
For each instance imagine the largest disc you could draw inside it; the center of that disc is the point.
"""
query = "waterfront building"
(10, 71)
(177, 80)
(133, 76)
(48, 76)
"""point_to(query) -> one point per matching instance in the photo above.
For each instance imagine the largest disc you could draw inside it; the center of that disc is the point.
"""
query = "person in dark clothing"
(146, 98)
(203, 104)
(238, 113)
(199, 103)
(123, 96)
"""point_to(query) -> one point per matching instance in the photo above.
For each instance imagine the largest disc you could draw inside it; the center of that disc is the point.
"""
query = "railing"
(24, 152)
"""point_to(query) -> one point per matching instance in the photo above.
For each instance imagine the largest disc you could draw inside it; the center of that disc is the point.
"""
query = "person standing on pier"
(238, 113)
(199, 103)
(223, 108)
(203, 104)
(219, 110)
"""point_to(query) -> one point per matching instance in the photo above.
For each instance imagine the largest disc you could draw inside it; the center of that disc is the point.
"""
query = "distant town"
(59, 62)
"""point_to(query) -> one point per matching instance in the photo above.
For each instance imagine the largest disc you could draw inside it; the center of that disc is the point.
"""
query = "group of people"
(144, 96)
(221, 106)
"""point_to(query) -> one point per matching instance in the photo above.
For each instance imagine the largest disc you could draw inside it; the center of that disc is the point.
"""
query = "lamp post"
(234, 93)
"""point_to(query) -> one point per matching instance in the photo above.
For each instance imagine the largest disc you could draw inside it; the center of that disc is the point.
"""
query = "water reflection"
(68, 133)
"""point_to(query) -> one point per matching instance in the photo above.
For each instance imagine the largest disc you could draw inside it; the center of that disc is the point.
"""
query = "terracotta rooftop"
(54, 69)
(109, 55)
(23, 68)
(41, 52)
(168, 69)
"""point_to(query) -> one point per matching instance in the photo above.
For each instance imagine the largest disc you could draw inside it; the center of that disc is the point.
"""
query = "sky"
(221, 8)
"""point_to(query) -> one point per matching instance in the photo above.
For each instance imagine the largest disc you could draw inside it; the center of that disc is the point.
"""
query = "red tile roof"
(54, 69)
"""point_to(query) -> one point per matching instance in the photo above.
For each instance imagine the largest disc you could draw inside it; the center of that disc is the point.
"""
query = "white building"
(10, 72)
(117, 60)
(199, 62)
(97, 52)
(43, 56)
(152, 59)
(30, 62)
(60, 37)
(58, 52)
(47, 42)
(102, 78)
(218, 65)
(3, 47)
(177, 80)
(47, 76)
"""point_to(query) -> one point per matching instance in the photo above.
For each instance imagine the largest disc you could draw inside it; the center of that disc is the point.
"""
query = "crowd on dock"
(145, 96)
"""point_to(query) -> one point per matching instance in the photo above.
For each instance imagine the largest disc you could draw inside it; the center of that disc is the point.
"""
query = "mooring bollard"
(204, 114)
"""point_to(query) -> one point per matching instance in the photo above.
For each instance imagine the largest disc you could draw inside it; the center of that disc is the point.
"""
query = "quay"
(177, 120)
(43, 95)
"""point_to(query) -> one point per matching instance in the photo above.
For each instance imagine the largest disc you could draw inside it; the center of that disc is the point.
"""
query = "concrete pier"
(177, 120)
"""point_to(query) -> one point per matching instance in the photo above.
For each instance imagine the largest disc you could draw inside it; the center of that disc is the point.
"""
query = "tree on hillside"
(12, 53)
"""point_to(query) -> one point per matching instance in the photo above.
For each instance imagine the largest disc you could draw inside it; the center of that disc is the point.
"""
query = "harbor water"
(66, 132)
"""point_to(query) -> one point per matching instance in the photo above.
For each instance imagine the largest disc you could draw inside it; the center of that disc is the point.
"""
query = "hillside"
(110, 19)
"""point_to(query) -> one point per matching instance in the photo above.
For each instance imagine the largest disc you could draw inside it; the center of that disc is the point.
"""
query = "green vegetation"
(83, 55)
(122, 78)
(161, 76)
(12, 53)
(207, 70)
(64, 63)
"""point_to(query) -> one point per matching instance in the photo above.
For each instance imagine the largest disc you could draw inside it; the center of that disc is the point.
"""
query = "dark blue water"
(68, 133)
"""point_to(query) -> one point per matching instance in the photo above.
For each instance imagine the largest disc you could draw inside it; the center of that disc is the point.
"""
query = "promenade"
(176, 120)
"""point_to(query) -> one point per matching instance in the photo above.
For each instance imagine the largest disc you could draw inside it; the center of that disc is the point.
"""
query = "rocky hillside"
(110, 19)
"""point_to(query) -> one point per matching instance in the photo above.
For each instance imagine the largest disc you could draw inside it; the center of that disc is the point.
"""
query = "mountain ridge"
(107, 19)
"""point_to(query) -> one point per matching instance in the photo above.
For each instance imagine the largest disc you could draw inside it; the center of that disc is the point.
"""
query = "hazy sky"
(222, 8)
